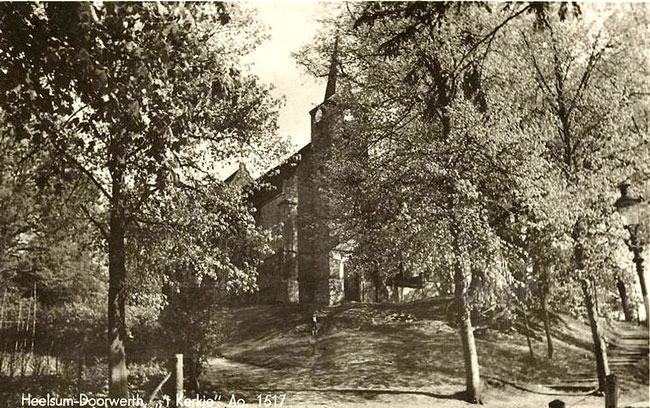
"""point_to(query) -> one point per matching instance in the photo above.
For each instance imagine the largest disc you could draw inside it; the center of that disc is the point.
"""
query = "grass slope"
(401, 347)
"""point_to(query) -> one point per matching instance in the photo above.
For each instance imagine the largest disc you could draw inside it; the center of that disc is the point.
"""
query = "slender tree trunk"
(118, 374)
(638, 261)
(625, 303)
(24, 356)
(17, 333)
(461, 288)
(3, 345)
(472, 377)
(545, 316)
(80, 370)
(595, 295)
(600, 350)
(527, 330)
(33, 329)
(381, 295)
(547, 328)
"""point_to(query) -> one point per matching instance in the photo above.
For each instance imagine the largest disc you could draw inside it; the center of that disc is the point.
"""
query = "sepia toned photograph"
(313, 204)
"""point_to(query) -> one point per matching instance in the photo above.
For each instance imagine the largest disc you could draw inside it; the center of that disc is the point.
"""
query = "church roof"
(277, 173)
(271, 178)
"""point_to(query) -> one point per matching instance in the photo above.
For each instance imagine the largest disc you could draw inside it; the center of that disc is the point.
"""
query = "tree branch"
(84, 170)
(96, 223)
(488, 36)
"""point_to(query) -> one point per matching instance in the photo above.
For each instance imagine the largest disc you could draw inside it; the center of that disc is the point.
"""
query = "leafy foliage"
(144, 103)
(507, 126)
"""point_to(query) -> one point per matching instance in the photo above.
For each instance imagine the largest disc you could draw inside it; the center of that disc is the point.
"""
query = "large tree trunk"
(472, 378)
(600, 350)
(193, 365)
(625, 303)
(118, 374)
(545, 316)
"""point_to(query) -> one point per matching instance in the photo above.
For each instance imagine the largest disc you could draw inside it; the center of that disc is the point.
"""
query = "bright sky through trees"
(290, 25)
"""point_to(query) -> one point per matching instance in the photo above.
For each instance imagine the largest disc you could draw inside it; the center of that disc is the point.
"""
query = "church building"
(308, 264)
(309, 261)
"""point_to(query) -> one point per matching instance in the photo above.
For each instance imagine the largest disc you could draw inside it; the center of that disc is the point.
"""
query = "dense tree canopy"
(143, 100)
(496, 136)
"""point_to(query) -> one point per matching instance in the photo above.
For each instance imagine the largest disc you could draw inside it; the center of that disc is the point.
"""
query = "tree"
(590, 81)
(137, 98)
(49, 258)
(441, 172)
(464, 130)
(211, 256)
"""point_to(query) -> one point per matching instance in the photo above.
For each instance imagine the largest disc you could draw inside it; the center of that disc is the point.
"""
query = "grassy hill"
(406, 350)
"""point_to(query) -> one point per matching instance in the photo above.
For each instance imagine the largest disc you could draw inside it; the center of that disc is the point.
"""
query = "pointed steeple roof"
(331, 76)
(241, 177)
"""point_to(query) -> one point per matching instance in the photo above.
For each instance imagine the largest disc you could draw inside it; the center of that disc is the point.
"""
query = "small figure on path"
(314, 325)
(314, 333)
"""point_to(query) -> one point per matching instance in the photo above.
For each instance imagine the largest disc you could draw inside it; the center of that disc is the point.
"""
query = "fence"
(18, 336)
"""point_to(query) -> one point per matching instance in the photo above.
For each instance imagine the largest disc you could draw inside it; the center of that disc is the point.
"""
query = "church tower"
(308, 263)
(322, 268)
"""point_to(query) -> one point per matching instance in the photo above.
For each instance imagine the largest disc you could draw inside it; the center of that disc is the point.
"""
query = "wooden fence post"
(611, 391)
(179, 377)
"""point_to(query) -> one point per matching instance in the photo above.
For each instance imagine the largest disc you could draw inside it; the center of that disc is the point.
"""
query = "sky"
(290, 25)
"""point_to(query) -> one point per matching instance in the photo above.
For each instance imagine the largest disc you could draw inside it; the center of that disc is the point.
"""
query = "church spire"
(331, 76)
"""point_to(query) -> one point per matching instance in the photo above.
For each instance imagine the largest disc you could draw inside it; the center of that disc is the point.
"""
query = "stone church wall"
(276, 213)
(309, 264)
